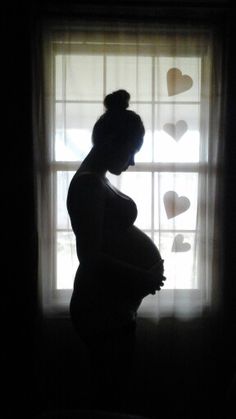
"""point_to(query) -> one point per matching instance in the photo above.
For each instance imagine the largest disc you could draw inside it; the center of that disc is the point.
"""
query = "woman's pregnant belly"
(91, 308)
(132, 246)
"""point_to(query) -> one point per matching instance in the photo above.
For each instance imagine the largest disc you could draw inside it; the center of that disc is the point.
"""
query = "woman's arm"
(86, 206)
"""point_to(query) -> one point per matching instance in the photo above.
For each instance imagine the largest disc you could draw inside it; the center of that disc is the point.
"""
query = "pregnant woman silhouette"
(119, 264)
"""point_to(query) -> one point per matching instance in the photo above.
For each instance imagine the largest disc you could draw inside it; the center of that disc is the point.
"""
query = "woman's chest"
(120, 211)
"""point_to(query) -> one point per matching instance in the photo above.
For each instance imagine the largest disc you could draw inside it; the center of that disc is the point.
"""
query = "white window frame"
(52, 298)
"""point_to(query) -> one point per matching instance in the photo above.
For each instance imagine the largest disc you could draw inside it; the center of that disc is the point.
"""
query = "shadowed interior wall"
(41, 367)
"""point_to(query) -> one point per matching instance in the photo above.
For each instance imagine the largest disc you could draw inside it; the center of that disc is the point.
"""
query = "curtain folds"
(174, 77)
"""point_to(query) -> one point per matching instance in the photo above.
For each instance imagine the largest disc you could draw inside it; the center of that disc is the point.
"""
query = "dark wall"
(182, 369)
(45, 365)
(19, 265)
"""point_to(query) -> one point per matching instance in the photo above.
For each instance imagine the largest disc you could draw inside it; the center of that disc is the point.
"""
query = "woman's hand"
(157, 271)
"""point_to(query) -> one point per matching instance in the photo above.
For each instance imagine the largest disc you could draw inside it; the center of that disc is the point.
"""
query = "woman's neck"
(94, 162)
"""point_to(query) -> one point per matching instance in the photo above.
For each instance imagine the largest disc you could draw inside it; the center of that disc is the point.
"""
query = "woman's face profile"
(121, 157)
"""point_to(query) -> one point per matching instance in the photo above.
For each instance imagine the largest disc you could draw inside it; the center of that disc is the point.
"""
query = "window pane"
(138, 187)
(79, 77)
(133, 73)
(180, 270)
(67, 261)
(185, 82)
(166, 93)
(74, 124)
(175, 201)
(58, 78)
(115, 180)
(63, 181)
(177, 133)
(145, 112)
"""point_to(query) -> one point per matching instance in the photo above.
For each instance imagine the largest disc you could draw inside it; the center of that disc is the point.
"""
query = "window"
(168, 74)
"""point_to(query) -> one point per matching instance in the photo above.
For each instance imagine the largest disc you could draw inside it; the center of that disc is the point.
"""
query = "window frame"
(55, 299)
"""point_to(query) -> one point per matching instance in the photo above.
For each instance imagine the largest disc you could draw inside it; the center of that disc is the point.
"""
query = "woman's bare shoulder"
(86, 187)
(85, 179)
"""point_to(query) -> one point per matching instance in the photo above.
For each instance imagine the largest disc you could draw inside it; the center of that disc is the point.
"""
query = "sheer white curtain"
(168, 72)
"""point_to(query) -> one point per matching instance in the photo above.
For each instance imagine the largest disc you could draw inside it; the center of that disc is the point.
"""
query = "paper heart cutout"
(177, 82)
(179, 245)
(177, 130)
(174, 204)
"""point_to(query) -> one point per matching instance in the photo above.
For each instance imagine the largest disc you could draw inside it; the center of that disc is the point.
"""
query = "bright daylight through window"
(168, 78)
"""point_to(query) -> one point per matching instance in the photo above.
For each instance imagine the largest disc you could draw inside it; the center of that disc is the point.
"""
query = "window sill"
(181, 303)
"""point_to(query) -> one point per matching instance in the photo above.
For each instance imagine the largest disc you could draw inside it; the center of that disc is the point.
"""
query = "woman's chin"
(116, 172)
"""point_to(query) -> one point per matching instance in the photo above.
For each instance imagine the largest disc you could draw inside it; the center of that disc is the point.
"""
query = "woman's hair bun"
(117, 101)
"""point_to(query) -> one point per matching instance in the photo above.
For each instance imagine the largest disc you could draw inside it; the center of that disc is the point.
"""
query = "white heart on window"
(174, 204)
(177, 82)
(177, 130)
(179, 245)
